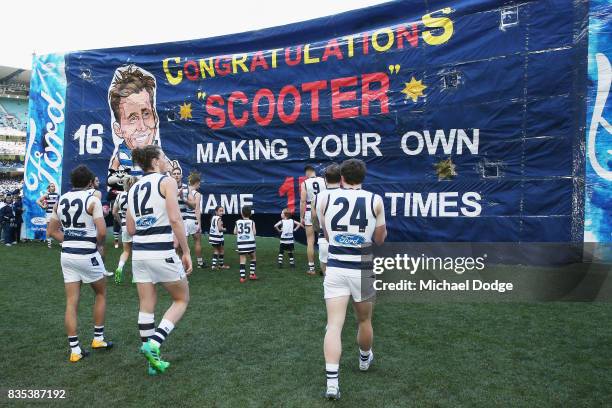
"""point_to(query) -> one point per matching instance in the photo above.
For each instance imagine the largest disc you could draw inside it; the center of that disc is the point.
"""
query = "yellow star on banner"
(185, 111)
(414, 89)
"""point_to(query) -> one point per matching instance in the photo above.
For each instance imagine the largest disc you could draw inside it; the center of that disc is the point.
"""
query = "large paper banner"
(470, 116)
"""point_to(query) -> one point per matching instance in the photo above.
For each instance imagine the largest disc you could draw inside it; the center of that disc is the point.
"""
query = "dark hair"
(193, 178)
(81, 176)
(246, 211)
(127, 82)
(353, 171)
(332, 173)
(143, 156)
(309, 167)
(217, 208)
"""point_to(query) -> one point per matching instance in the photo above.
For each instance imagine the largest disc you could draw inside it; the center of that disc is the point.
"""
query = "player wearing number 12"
(84, 231)
(153, 217)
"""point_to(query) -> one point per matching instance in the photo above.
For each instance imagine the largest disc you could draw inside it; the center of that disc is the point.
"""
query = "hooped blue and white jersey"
(350, 223)
(286, 227)
(147, 205)
(318, 198)
(51, 201)
(313, 186)
(79, 227)
(182, 199)
(245, 235)
(215, 236)
(122, 200)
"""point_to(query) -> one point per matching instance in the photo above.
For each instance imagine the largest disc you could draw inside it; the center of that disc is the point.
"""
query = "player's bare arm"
(296, 225)
(380, 232)
(169, 189)
(130, 225)
(302, 202)
(95, 210)
(54, 228)
(277, 226)
(40, 201)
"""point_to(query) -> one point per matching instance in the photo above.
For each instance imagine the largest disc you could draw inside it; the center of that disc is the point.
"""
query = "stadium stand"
(14, 90)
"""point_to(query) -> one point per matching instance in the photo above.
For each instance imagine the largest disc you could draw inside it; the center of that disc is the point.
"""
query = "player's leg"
(252, 274)
(99, 313)
(242, 268)
(147, 297)
(197, 240)
(221, 259)
(323, 248)
(73, 291)
(291, 256)
(365, 333)
(179, 292)
(332, 344)
(116, 232)
(310, 240)
(125, 255)
(281, 255)
(215, 256)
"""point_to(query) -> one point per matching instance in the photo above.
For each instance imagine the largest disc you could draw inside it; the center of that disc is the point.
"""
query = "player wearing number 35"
(80, 215)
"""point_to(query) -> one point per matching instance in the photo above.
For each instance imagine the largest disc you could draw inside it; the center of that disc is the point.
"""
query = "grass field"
(260, 344)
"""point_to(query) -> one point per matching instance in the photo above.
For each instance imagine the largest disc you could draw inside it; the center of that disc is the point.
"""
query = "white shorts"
(86, 269)
(340, 283)
(190, 227)
(308, 218)
(323, 245)
(158, 270)
(125, 237)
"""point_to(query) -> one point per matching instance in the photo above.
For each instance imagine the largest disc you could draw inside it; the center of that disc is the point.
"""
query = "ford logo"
(146, 222)
(74, 233)
(39, 221)
(243, 237)
(349, 239)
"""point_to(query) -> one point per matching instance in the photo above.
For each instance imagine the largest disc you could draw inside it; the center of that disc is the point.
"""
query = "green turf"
(260, 344)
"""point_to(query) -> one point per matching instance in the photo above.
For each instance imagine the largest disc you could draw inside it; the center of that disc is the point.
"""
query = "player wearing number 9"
(80, 215)
(153, 217)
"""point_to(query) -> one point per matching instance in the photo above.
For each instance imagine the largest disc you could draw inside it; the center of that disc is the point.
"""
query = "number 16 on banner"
(90, 138)
(288, 189)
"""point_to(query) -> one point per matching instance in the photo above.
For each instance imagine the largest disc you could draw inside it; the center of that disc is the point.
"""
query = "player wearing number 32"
(352, 219)
(80, 215)
(153, 216)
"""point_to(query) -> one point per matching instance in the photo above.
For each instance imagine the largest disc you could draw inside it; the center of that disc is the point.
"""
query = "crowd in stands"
(11, 218)
(10, 185)
(7, 147)
(11, 163)
(13, 116)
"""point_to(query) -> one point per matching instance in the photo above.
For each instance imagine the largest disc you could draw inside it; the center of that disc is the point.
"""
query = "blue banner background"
(514, 71)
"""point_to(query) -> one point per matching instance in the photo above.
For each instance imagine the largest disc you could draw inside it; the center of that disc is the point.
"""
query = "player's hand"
(186, 260)
(100, 248)
(198, 229)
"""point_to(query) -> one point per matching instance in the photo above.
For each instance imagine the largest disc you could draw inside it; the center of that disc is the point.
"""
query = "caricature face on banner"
(134, 119)
(470, 118)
